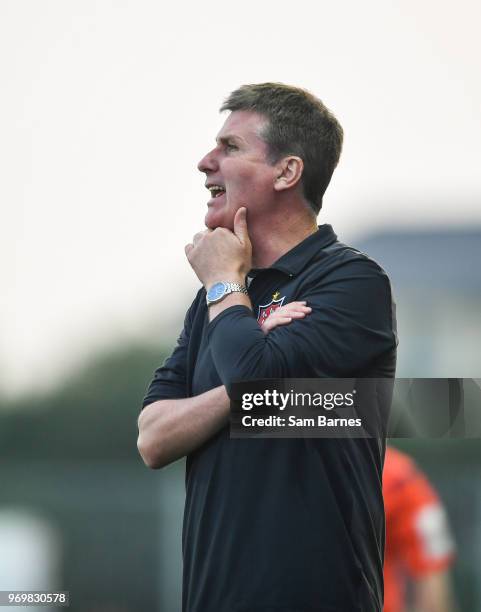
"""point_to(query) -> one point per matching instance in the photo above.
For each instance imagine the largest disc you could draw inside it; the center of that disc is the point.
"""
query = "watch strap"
(228, 288)
(235, 287)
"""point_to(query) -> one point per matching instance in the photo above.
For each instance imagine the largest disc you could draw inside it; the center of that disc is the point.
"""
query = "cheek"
(250, 181)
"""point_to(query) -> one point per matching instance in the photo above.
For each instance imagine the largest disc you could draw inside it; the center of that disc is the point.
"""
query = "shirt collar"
(295, 260)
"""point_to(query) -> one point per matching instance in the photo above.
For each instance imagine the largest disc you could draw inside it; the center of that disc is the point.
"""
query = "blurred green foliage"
(70, 456)
(92, 416)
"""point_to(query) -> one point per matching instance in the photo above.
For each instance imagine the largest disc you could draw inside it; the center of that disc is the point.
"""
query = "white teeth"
(216, 190)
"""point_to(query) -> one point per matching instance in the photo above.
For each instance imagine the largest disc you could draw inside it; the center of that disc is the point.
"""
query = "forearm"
(172, 428)
(434, 593)
(240, 350)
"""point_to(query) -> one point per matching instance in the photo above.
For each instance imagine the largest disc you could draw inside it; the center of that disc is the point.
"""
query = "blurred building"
(437, 287)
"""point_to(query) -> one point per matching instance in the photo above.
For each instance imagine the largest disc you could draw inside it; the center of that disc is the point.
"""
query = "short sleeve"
(170, 379)
(424, 541)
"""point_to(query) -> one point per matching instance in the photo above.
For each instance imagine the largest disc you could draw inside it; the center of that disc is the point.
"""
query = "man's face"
(237, 171)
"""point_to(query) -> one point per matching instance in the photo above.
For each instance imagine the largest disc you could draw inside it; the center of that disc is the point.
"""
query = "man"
(284, 524)
(419, 546)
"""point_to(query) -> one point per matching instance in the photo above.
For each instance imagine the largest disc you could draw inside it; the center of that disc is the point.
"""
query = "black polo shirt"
(291, 525)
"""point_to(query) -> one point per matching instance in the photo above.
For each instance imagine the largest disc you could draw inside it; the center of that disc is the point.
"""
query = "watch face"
(216, 292)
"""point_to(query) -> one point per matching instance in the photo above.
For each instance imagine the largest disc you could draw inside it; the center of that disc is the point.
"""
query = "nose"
(208, 163)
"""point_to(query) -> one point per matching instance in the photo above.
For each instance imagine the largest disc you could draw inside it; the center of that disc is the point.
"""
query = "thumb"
(240, 224)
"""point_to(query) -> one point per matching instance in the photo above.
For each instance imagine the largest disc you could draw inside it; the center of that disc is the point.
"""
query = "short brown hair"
(299, 124)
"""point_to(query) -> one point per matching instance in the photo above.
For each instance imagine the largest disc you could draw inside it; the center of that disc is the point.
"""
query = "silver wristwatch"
(219, 290)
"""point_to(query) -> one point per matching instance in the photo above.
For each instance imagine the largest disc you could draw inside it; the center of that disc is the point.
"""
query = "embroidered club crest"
(267, 309)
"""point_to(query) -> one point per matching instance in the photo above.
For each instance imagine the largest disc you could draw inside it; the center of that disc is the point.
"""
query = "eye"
(231, 147)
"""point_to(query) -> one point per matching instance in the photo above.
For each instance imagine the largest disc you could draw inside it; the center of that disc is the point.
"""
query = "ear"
(289, 173)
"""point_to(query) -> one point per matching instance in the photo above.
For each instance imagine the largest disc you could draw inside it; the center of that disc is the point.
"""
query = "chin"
(215, 219)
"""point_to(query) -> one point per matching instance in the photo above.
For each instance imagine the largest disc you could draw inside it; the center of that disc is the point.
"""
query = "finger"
(188, 248)
(297, 305)
(303, 311)
(198, 237)
(288, 310)
(270, 323)
(294, 313)
(288, 315)
(281, 314)
(294, 306)
(240, 224)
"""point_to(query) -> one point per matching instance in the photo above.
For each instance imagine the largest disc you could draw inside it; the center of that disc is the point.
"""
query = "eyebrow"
(225, 139)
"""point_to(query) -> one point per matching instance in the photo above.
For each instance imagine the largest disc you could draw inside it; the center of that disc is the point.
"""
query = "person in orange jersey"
(419, 545)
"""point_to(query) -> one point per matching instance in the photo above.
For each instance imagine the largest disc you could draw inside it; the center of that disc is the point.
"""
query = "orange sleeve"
(419, 528)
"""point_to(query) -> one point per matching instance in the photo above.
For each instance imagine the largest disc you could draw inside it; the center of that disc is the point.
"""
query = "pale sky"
(106, 107)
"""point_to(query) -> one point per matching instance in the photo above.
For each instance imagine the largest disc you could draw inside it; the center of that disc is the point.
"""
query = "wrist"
(232, 299)
(227, 277)
(220, 290)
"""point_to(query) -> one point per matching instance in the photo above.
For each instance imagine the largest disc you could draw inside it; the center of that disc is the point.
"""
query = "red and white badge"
(268, 309)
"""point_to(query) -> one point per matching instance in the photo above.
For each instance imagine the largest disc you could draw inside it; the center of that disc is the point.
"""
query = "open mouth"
(216, 191)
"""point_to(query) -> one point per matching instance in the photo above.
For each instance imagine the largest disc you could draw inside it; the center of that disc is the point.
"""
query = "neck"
(272, 237)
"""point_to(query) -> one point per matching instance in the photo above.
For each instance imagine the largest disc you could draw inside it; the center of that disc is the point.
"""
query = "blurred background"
(106, 108)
